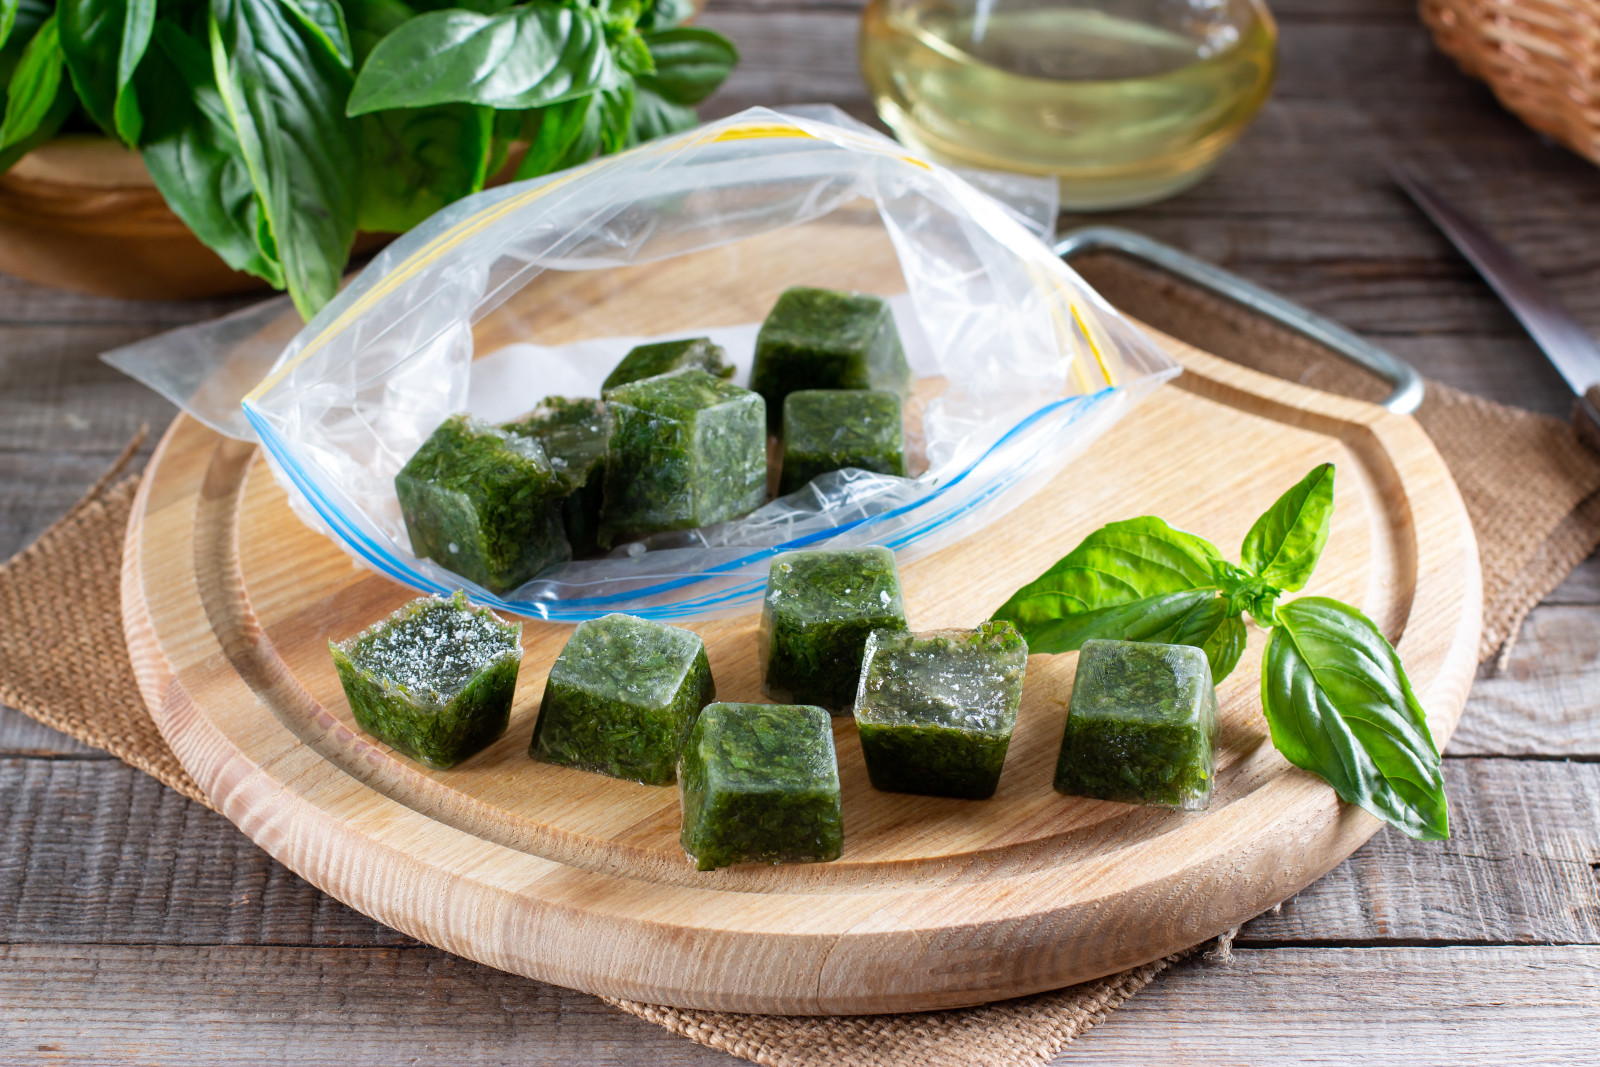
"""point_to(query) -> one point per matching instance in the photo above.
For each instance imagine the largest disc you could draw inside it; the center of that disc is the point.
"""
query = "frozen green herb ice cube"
(1141, 726)
(935, 710)
(687, 449)
(831, 429)
(647, 361)
(434, 680)
(827, 339)
(820, 606)
(481, 502)
(621, 698)
(760, 784)
(575, 433)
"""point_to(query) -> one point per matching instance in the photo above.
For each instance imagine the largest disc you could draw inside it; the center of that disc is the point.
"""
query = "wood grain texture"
(1355, 1007)
(220, 1006)
(935, 903)
(101, 854)
(1520, 867)
(1546, 702)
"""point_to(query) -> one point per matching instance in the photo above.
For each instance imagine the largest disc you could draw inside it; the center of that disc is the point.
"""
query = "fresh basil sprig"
(1135, 580)
(276, 128)
(1336, 698)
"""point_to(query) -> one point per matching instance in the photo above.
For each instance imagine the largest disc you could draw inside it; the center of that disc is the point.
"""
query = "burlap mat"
(1529, 486)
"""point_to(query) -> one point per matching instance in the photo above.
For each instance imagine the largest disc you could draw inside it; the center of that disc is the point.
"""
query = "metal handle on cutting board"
(1406, 396)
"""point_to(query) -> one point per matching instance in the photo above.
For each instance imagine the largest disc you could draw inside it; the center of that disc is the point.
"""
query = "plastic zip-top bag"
(539, 288)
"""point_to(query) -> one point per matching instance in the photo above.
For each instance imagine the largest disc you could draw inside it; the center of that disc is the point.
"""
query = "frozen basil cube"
(819, 609)
(481, 502)
(831, 429)
(575, 433)
(1141, 726)
(434, 680)
(647, 361)
(621, 698)
(687, 449)
(935, 710)
(760, 784)
(827, 339)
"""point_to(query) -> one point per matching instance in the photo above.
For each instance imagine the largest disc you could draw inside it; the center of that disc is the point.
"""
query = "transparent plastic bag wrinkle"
(540, 287)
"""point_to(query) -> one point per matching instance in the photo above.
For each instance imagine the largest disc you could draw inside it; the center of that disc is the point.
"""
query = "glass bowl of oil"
(1125, 101)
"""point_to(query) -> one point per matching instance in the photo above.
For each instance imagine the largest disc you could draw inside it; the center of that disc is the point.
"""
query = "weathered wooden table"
(136, 926)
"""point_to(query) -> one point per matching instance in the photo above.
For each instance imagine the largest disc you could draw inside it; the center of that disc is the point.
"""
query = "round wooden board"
(577, 879)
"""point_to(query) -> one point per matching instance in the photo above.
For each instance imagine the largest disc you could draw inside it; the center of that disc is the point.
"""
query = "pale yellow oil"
(1124, 110)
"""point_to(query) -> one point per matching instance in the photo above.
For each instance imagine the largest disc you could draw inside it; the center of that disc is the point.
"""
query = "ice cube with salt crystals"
(1141, 726)
(622, 697)
(759, 783)
(483, 503)
(819, 607)
(434, 680)
(935, 710)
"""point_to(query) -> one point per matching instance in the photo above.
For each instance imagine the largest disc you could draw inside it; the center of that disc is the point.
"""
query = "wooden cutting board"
(577, 879)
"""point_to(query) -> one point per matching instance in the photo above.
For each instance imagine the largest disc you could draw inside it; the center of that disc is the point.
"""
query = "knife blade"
(1565, 343)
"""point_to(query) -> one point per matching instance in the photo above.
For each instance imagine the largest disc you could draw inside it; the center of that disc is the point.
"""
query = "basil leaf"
(1216, 630)
(655, 117)
(415, 161)
(616, 117)
(32, 95)
(103, 41)
(1117, 564)
(665, 14)
(525, 57)
(690, 63)
(284, 92)
(193, 155)
(8, 19)
(370, 21)
(1283, 545)
(326, 18)
(1340, 706)
(28, 16)
(568, 134)
(1152, 618)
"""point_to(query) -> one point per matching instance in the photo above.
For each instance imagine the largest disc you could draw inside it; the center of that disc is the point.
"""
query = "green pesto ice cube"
(819, 609)
(575, 433)
(831, 429)
(1141, 727)
(687, 449)
(621, 698)
(434, 680)
(759, 783)
(935, 710)
(647, 361)
(827, 339)
(482, 502)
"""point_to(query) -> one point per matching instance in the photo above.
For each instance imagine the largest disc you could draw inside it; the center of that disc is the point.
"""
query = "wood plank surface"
(1301, 205)
(1360, 1006)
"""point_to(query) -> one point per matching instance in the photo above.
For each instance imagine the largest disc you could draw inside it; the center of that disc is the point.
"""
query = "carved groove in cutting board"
(576, 879)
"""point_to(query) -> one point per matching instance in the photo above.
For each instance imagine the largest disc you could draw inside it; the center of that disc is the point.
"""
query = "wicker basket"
(1541, 57)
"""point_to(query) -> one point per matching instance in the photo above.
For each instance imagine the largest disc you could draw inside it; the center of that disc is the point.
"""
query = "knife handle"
(1586, 417)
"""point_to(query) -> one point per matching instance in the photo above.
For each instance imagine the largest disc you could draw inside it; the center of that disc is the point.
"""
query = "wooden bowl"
(1541, 58)
(82, 213)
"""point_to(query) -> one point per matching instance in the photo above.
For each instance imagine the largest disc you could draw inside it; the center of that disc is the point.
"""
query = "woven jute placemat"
(1529, 485)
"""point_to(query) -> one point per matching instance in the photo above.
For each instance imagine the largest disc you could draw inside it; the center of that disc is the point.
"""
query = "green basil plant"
(275, 129)
(1336, 699)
